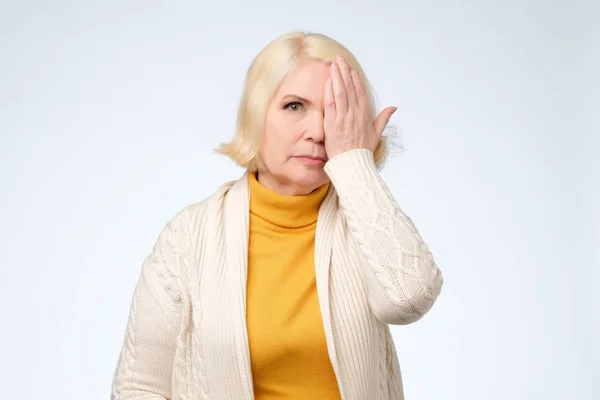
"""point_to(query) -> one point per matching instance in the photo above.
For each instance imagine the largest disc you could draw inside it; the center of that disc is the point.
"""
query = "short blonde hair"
(266, 73)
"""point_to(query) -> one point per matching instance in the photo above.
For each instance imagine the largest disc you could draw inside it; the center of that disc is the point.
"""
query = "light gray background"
(109, 111)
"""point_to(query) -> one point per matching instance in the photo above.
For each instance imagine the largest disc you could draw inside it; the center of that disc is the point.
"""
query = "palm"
(347, 119)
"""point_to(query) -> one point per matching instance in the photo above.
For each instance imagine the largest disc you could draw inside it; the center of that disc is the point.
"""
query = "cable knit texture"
(186, 336)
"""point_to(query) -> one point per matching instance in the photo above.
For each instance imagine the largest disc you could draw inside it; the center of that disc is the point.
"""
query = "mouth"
(312, 161)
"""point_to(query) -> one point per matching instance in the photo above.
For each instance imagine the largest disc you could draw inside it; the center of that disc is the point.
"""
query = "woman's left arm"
(402, 277)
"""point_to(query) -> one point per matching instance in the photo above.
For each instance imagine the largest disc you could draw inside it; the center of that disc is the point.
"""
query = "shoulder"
(188, 223)
(178, 241)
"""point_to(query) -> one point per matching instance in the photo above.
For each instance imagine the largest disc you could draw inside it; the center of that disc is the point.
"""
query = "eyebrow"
(296, 97)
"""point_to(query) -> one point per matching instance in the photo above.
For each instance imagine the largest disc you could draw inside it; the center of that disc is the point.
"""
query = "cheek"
(272, 151)
(282, 134)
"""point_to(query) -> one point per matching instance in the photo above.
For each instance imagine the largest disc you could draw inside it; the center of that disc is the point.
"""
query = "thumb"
(382, 119)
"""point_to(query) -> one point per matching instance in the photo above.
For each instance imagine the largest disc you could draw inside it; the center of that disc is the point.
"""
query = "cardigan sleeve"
(402, 277)
(145, 365)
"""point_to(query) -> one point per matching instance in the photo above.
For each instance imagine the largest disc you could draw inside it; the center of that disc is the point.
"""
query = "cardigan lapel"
(326, 223)
(236, 222)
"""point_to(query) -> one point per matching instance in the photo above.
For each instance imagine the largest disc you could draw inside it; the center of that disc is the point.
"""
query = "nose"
(315, 129)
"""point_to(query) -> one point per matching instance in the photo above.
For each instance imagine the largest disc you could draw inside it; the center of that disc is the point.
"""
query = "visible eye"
(293, 106)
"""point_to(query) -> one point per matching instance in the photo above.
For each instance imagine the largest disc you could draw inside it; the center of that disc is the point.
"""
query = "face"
(292, 148)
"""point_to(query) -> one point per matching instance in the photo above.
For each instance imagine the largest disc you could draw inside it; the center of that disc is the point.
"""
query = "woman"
(282, 284)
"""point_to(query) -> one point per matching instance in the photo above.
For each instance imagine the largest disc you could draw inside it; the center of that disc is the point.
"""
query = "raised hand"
(348, 122)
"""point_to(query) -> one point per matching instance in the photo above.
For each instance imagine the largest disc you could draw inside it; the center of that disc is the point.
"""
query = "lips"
(311, 160)
(323, 159)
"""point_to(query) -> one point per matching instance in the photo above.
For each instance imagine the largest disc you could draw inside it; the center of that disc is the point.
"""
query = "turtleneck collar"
(283, 210)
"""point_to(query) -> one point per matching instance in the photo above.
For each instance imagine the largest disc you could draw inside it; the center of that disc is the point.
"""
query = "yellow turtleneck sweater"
(288, 352)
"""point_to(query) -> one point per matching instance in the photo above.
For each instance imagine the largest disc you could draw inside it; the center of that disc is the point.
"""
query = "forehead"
(306, 80)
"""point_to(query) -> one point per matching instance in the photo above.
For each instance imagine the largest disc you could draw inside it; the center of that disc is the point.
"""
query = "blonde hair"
(266, 73)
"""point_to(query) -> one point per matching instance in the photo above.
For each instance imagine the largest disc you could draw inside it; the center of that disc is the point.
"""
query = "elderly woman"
(282, 284)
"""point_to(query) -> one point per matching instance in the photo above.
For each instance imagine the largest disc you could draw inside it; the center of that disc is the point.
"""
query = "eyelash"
(287, 106)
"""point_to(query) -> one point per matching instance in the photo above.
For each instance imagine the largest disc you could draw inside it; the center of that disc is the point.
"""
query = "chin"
(310, 179)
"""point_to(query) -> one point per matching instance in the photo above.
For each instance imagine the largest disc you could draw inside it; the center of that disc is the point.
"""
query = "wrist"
(351, 167)
(331, 154)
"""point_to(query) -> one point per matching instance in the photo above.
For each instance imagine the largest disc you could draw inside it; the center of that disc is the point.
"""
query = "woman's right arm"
(145, 365)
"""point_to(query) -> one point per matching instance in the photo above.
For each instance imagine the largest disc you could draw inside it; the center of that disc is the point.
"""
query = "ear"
(382, 119)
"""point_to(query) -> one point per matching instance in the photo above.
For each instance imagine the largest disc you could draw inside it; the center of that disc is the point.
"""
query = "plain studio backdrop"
(109, 111)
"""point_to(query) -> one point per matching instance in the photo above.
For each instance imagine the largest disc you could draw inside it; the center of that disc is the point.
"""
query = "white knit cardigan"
(186, 335)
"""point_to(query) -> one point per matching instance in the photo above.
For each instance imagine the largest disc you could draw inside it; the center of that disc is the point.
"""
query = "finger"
(361, 94)
(329, 107)
(382, 119)
(348, 82)
(339, 92)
